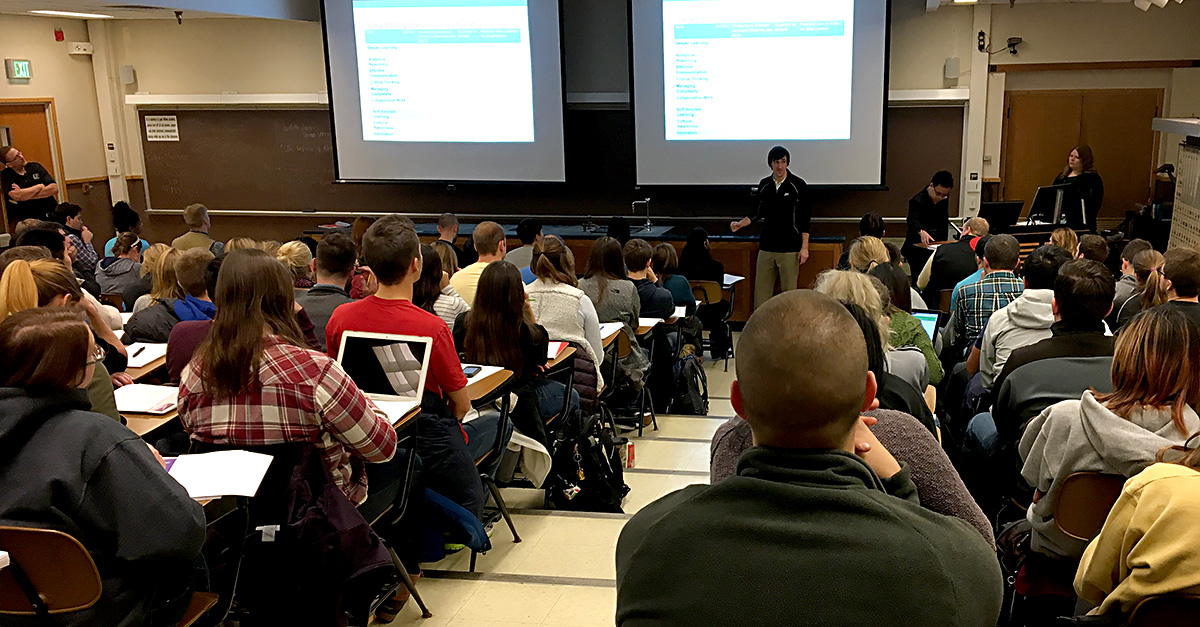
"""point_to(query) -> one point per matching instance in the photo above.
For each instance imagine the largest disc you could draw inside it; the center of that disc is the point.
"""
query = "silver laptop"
(390, 369)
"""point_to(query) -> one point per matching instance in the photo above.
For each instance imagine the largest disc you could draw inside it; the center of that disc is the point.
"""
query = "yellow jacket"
(1148, 544)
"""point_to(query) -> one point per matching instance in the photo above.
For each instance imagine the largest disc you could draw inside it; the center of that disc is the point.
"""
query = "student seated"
(297, 258)
(237, 243)
(903, 329)
(70, 216)
(696, 262)
(819, 511)
(154, 323)
(870, 224)
(145, 281)
(447, 228)
(491, 246)
(1151, 287)
(867, 252)
(1155, 386)
(446, 253)
(52, 238)
(433, 292)
(125, 220)
(529, 231)
(85, 474)
(980, 247)
(1181, 269)
(30, 280)
(164, 285)
(333, 266)
(1147, 545)
(1127, 283)
(198, 222)
(665, 263)
(501, 331)
(1065, 239)
(999, 286)
(616, 300)
(951, 263)
(657, 302)
(1094, 247)
(392, 250)
(117, 272)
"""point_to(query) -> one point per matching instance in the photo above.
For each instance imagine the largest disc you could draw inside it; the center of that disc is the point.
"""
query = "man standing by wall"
(783, 206)
(28, 187)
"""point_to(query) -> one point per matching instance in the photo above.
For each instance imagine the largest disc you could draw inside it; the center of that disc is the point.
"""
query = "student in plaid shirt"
(253, 382)
(976, 302)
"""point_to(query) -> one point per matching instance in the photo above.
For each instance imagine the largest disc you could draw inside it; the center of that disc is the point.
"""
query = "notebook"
(680, 312)
(389, 369)
(142, 354)
(609, 329)
(555, 348)
(138, 398)
(221, 473)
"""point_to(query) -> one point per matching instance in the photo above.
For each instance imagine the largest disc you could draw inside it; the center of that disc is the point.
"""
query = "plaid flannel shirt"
(85, 255)
(976, 302)
(304, 397)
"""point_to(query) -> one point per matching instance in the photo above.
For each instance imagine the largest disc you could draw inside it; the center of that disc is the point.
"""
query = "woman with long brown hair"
(616, 300)
(433, 292)
(1080, 172)
(1155, 385)
(501, 331)
(68, 468)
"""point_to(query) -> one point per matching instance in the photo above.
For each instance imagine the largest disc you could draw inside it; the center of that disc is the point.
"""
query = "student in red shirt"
(392, 250)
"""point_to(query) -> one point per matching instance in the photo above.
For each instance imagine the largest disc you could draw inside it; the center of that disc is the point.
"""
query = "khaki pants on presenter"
(770, 266)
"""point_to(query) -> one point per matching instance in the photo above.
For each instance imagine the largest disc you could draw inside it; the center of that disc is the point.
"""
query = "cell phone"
(471, 371)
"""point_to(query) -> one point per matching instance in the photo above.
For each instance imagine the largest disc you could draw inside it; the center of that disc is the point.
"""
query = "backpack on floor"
(691, 388)
(587, 474)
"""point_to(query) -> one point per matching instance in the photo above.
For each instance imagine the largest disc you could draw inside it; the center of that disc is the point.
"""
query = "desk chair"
(1084, 502)
(51, 573)
(709, 293)
(944, 298)
(113, 298)
(618, 349)
(492, 456)
(566, 372)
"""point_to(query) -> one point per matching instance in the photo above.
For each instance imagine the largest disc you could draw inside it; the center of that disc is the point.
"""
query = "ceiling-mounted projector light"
(1142, 4)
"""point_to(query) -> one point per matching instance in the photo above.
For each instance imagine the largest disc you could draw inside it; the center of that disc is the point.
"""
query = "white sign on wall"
(162, 128)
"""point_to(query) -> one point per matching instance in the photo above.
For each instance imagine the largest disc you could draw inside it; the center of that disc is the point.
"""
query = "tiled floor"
(562, 574)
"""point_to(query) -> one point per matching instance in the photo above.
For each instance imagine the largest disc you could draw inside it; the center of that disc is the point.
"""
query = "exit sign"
(18, 69)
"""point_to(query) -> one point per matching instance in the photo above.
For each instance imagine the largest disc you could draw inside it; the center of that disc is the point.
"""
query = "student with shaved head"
(820, 525)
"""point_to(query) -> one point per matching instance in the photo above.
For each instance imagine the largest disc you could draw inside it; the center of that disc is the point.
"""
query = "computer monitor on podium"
(1059, 204)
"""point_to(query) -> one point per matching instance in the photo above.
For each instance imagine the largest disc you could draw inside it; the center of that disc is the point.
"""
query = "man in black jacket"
(928, 220)
(821, 525)
(783, 207)
(952, 263)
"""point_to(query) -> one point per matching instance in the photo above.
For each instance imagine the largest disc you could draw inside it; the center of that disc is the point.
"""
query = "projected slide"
(757, 69)
(444, 70)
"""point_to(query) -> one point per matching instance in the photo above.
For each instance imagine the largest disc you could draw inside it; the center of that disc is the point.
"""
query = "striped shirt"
(976, 302)
(304, 396)
(448, 305)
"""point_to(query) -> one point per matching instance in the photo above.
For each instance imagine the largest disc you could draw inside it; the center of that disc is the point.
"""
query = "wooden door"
(1116, 124)
(1039, 131)
(29, 126)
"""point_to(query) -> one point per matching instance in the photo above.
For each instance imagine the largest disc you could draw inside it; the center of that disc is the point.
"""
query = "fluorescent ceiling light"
(965, 1)
(86, 16)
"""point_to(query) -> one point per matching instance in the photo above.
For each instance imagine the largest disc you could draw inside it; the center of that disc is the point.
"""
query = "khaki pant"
(770, 266)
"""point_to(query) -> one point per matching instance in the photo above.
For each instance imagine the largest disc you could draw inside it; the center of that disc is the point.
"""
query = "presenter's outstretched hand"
(733, 226)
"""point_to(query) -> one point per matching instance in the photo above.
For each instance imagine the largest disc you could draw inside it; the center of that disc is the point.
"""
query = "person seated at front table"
(665, 263)
(819, 513)
(76, 471)
(154, 323)
(124, 267)
(501, 331)
(491, 246)
(1155, 387)
(392, 250)
(657, 302)
(952, 262)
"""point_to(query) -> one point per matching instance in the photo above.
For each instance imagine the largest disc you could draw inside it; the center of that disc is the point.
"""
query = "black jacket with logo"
(785, 213)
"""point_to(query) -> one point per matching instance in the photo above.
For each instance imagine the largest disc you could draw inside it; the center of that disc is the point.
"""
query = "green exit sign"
(18, 69)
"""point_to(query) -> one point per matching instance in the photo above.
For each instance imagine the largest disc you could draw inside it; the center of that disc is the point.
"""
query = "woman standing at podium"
(1080, 173)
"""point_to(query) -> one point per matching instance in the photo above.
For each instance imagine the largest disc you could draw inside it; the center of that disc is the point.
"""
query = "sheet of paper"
(396, 410)
(125, 316)
(609, 329)
(730, 279)
(484, 371)
(138, 398)
(680, 311)
(221, 473)
(555, 348)
(141, 353)
(648, 322)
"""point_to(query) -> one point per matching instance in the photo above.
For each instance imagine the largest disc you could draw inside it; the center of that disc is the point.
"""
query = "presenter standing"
(1081, 173)
(783, 207)
(928, 221)
(28, 187)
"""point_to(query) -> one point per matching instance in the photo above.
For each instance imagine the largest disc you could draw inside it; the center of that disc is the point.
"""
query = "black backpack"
(691, 388)
(587, 474)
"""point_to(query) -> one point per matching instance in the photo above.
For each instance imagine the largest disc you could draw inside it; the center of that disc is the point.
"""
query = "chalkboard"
(281, 160)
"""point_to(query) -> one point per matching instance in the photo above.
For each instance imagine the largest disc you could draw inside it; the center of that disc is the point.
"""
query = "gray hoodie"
(1084, 436)
(1022, 322)
(114, 274)
(1126, 288)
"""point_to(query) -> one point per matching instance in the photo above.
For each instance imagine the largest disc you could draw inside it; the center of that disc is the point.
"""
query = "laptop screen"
(389, 365)
(929, 320)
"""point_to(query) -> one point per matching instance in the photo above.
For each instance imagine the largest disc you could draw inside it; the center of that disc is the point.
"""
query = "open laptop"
(389, 369)
(928, 319)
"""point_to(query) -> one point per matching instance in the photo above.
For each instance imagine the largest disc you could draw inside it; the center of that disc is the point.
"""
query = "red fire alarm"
(58, 35)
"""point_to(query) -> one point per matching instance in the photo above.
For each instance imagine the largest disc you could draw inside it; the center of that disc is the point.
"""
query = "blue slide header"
(438, 4)
(444, 36)
(760, 29)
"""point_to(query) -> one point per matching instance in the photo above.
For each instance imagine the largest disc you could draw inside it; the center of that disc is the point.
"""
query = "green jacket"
(803, 538)
(905, 330)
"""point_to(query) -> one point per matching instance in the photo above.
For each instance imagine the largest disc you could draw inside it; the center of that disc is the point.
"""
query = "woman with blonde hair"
(867, 252)
(1151, 286)
(1065, 239)
(445, 252)
(165, 284)
(269, 246)
(145, 282)
(238, 243)
(297, 258)
(1155, 383)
